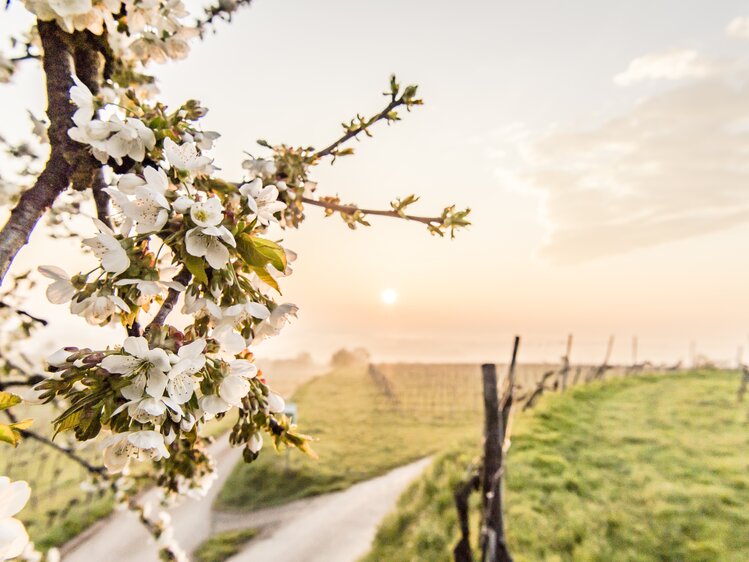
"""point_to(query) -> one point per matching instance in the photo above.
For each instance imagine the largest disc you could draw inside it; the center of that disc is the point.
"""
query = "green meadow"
(647, 468)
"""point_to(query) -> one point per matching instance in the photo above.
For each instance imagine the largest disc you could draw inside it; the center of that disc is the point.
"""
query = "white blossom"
(272, 325)
(76, 15)
(82, 97)
(255, 442)
(236, 385)
(207, 213)
(93, 133)
(107, 248)
(276, 404)
(212, 405)
(121, 447)
(138, 358)
(142, 201)
(205, 139)
(13, 535)
(228, 318)
(185, 157)
(154, 47)
(258, 167)
(131, 138)
(209, 242)
(149, 289)
(58, 358)
(182, 204)
(98, 308)
(146, 402)
(262, 201)
(61, 290)
(179, 382)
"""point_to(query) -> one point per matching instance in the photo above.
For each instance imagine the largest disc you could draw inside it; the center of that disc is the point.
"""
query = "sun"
(389, 296)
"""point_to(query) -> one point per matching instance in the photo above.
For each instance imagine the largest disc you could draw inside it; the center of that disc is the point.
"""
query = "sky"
(602, 147)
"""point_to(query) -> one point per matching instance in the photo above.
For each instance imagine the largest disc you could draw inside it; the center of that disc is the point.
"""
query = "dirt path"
(337, 527)
(122, 538)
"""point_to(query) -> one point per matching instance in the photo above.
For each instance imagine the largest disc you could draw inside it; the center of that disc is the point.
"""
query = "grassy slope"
(642, 469)
(360, 435)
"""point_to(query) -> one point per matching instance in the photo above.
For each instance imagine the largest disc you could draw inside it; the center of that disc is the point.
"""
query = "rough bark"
(58, 67)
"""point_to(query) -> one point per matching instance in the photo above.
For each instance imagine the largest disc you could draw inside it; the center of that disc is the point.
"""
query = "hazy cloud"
(675, 64)
(675, 166)
(739, 27)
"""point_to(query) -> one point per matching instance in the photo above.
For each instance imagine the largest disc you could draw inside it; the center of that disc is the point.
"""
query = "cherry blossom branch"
(352, 209)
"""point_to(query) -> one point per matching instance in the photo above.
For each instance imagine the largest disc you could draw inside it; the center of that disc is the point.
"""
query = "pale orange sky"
(603, 148)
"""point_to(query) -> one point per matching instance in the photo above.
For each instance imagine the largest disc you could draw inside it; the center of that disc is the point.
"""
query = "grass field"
(649, 468)
(223, 546)
(362, 432)
(58, 508)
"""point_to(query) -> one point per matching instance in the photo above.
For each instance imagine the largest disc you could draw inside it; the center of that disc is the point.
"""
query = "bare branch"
(167, 306)
(30, 381)
(70, 453)
(101, 198)
(28, 315)
(351, 209)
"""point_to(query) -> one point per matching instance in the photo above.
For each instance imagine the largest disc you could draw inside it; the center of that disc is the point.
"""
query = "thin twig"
(328, 150)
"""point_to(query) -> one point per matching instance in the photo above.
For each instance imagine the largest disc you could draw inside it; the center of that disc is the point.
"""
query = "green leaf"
(196, 266)
(266, 277)
(7, 400)
(11, 433)
(23, 424)
(89, 426)
(70, 422)
(275, 254)
(7, 435)
(257, 252)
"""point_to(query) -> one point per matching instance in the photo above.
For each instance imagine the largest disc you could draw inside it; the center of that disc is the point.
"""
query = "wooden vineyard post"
(496, 419)
(509, 396)
(489, 478)
(744, 383)
(564, 372)
(600, 371)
